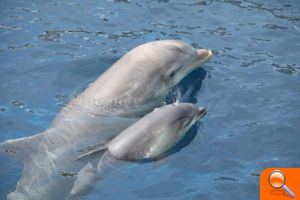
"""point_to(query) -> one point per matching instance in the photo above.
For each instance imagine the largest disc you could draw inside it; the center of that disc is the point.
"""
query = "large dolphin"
(131, 87)
(152, 137)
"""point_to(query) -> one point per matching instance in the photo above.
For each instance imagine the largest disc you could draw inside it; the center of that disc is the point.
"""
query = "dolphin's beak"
(203, 54)
(201, 112)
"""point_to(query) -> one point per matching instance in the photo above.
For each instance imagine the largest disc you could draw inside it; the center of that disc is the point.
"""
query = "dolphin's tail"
(19, 149)
(27, 150)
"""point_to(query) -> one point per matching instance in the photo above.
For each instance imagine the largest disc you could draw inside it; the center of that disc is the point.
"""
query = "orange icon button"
(273, 183)
(277, 180)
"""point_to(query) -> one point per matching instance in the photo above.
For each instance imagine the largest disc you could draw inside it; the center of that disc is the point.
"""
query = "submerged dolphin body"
(151, 137)
(130, 88)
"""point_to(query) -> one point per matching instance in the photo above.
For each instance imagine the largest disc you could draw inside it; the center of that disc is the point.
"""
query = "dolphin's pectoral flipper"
(92, 151)
(84, 182)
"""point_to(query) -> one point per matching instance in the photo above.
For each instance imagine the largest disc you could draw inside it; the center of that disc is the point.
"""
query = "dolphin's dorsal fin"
(92, 151)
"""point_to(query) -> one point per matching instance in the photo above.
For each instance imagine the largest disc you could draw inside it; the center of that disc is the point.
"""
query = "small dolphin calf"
(130, 88)
(154, 134)
(149, 138)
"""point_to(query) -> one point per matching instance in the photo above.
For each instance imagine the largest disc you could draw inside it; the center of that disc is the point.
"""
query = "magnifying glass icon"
(277, 180)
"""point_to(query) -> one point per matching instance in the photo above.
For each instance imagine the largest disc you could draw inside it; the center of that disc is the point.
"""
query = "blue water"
(51, 50)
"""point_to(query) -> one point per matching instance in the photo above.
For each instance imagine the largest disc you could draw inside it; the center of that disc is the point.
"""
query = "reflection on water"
(50, 51)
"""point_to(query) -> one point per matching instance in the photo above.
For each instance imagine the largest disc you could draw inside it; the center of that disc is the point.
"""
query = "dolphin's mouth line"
(201, 114)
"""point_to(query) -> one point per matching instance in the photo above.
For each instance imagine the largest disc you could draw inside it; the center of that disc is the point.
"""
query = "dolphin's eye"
(172, 73)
